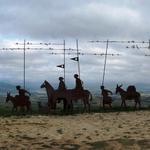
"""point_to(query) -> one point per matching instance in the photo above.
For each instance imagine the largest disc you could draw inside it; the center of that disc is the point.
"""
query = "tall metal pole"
(149, 44)
(64, 61)
(105, 62)
(24, 72)
(78, 61)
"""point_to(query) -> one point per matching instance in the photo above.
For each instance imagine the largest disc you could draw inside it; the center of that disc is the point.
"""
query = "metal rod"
(24, 73)
(64, 62)
(105, 62)
(78, 60)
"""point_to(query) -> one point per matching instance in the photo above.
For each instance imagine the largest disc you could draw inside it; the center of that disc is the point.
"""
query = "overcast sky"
(58, 20)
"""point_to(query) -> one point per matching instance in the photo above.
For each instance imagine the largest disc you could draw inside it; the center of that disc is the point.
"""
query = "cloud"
(47, 19)
(84, 20)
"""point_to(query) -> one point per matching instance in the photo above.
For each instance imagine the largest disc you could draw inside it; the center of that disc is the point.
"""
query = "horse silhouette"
(69, 95)
(130, 94)
(18, 102)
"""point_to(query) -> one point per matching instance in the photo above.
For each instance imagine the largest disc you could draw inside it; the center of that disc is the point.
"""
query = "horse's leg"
(122, 103)
(110, 105)
(28, 104)
(103, 103)
(12, 109)
(89, 108)
(87, 103)
(23, 109)
(135, 100)
(64, 104)
(53, 103)
(110, 102)
(139, 101)
(71, 105)
(28, 107)
(84, 104)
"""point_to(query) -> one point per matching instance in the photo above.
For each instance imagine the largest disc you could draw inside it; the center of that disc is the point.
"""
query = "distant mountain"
(93, 87)
(4, 87)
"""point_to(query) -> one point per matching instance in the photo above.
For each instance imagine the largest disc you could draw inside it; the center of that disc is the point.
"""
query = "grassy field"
(96, 105)
(6, 110)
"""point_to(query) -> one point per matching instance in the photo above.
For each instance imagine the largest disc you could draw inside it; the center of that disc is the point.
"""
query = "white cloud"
(86, 20)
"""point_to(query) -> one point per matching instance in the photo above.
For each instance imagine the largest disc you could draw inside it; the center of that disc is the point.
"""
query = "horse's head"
(118, 88)
(47, 85)
(8, 97)
(43, 84)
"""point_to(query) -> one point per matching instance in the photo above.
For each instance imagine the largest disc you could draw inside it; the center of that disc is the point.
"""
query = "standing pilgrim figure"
(106, 98)
(22, 92)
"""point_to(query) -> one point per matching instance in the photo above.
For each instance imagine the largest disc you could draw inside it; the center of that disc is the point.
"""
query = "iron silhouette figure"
(106, 96)
(22, 93)
(62, 88)
(79, 83)
(69, 94)
(49, 88)
(62, 85)
(130, 94)
(18, 103)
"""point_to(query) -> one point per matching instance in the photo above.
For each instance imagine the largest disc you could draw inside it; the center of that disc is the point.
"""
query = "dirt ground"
(118, 131)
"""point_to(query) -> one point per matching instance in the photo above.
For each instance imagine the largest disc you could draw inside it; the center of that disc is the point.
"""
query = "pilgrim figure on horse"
(67, 95)
(62, 89)
(61, 86)
(78, 85)
(22, 94)
(21, 100)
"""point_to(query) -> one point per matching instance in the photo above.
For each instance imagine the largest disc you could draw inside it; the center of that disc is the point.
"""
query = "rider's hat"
(18, 87)
(61, 78)
(76, 75)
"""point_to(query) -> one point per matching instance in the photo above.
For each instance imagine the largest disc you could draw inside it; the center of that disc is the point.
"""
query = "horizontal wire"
(51, 49)
(46, 44)
(119, 41)
(96, 54)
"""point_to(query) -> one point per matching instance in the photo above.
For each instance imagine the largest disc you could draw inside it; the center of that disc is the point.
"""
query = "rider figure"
(105, 93)
(79, 83)
(22, 92)
(62, 85)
